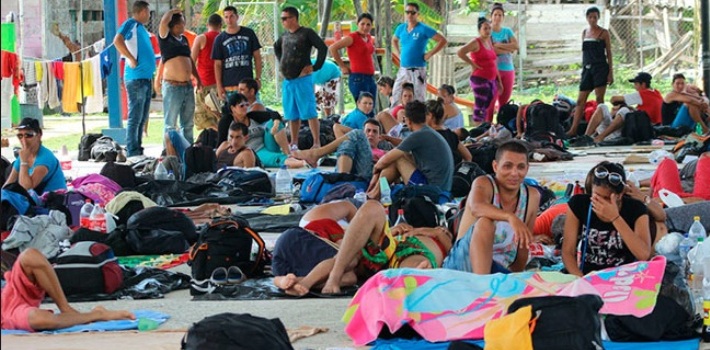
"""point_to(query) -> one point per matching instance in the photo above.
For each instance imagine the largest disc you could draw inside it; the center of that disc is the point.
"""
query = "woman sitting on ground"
(356, 119)
(614, 228)
(435, 120)
(393, 120)
(36, 168)
(453, 117)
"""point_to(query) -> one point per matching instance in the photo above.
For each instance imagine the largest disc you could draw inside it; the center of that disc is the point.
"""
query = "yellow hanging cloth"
(71, 95)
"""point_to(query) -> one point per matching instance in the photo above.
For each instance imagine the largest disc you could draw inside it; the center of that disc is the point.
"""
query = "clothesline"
(31, 58)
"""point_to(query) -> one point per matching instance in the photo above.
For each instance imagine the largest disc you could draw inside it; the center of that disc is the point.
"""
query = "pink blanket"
(446, 305)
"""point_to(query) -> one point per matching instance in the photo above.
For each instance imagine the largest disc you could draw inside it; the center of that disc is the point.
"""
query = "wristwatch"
(647, 200)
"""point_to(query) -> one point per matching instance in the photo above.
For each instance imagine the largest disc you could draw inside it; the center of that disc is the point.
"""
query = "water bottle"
(64, 159)
(360, 198)
(705, 334)
(160, 172)
(696, 229)
(170, 176)
(400, 217)
(98, 219)
(683, 248)
(385, 192)
(283, 182)
(85, 214)
(633, 179)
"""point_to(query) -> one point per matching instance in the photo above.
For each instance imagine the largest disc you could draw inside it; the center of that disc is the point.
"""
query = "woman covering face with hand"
(613, 228)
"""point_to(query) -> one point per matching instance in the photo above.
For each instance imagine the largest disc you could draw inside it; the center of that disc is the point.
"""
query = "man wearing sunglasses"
(293, 50)
(36, 168)
(409, 42)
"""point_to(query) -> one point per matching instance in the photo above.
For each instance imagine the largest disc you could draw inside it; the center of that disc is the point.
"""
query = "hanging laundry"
(8, 64)
(38, 71)
(6, 93)
(47, 95)
(71, 93)
(87, 86)
(95, 102)
(99, 45)
(29, 70)
(58, 69)
(105, 64)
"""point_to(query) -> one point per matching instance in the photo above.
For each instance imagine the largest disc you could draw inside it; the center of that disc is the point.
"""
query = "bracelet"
(24, 163)
(618, 216)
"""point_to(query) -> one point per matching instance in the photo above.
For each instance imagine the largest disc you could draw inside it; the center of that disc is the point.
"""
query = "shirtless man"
(369, 246)
(30, 278)
(178, 69)
(234, 151)
(496, 227)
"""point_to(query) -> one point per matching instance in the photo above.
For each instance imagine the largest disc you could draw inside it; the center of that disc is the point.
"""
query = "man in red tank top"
(206, 106)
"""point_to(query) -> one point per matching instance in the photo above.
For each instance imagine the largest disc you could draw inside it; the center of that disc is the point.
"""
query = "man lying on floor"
(29, 280)
(368, 245)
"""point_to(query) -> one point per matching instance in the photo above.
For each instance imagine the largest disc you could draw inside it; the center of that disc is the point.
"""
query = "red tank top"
(652, 104)
(360, 54)
(486, 59)
(205, 63)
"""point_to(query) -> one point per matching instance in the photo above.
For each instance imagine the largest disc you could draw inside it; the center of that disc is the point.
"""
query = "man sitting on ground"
(369, 246)
(234, 151)
(29, 280)
(423, 157)
(685, 105)
(356, 119)
(355, 151)
(496, 227)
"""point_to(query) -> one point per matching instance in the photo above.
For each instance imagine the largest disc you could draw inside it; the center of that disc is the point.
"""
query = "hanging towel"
(52, 88)
(95, 102)
(6, 93)
(30, 75)
(87, 87)
(38, 71)
(8, 64)
(105, 64)
(58, 69)
(43, 88)
(71, 94)
(99, 45)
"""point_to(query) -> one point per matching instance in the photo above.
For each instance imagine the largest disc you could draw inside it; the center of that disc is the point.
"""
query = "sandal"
(219, 276)
(235, 275)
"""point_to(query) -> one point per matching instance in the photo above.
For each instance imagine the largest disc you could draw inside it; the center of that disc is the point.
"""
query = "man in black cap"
(36, 167)
(607, 123)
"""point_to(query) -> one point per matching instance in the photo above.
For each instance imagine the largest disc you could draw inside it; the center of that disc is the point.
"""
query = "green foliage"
(426, 13)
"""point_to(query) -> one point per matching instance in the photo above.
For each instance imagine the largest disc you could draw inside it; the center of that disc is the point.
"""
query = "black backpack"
(199, 159)
(564, 322)
(120, 173)
(419, 205)
(209, 138)
(5, 169)
(88, 268)
(228, 242)
(85, 145)
(543, 118)
(159, 230)
(464, 174)
(483, 155)
(229, 331)
(105, 149)
(507, 115)
(249, 181)
(327, 135)
(637, 127)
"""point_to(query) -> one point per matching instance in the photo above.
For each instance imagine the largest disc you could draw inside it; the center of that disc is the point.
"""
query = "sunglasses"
(28, 135)
(614, 178)
(243, 104)
(285, 18)
(411, 12)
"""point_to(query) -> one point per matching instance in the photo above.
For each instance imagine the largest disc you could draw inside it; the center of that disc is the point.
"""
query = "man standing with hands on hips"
(293, 50)
(409, 42)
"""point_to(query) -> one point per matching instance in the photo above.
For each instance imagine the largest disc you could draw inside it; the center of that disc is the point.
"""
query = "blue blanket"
(104, 326)
(403, 344)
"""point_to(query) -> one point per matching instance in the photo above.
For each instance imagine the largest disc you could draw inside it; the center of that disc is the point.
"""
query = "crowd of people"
(394, 134)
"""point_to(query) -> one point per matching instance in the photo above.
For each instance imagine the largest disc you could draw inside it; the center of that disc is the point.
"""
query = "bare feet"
(330, 287)
(290, 285)
(108, 315)
(424, 265)
(309, 156)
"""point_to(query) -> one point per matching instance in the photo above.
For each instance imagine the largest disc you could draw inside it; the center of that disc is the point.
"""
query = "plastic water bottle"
(98, 219)
(170, 176)
(360, 197)
(64, 159)
(705, 334)
(684, 247)
(400, 217)
(283, 182)
(696, 229)
(85, 214)
(160, 172)
(385, 192)
(634, 179)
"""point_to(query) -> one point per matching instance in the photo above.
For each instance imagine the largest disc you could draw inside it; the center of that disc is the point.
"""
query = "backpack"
(229, 331)
(5, 169)
(564, 322)
(208, 138)
(249, 181)
(105, 149)
(199, 159)
(464, 174)
(419, 204)
(317, 185)
(159, 230)
(228, 242)
(69, 203)
(483, 155)
(543, 118)
(507, 115)
(14, 201)
(120, 173)
(85, 145)
(327, 135)
(88, 268)
(637, 127)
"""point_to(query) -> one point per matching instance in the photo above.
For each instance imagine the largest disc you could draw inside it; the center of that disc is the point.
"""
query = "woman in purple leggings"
(485, 80)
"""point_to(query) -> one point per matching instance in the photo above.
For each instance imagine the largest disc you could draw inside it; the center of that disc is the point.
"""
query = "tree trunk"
(358, 7)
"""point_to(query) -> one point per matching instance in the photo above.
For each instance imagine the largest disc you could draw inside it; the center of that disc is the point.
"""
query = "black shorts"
(593, 77)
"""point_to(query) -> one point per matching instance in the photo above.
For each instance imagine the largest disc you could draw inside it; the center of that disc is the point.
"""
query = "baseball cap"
(29, 124)
(642, 77)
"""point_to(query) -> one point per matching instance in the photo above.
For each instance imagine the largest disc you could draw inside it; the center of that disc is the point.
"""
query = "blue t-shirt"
(355, 119)
(413, 44)
(327, 72)
(505, 61)
(138, 42)
(54, 180)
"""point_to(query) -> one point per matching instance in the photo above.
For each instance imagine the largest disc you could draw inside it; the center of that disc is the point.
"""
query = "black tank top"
(227, 159)
(593, 50)
(171, 47)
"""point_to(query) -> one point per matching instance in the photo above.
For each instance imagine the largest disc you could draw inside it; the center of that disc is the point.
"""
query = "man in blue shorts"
(293, 50)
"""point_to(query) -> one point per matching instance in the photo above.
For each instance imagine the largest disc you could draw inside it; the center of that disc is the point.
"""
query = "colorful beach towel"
(164, 262)
(445, 305)
(103, 326)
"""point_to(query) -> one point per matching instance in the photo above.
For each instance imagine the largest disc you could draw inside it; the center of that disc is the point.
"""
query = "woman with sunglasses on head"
(613, 229)
(268, 140)
(36, 168)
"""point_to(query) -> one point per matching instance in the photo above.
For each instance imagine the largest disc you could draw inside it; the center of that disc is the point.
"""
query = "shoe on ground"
(219, 276)
(582, 141)
(235, 275)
